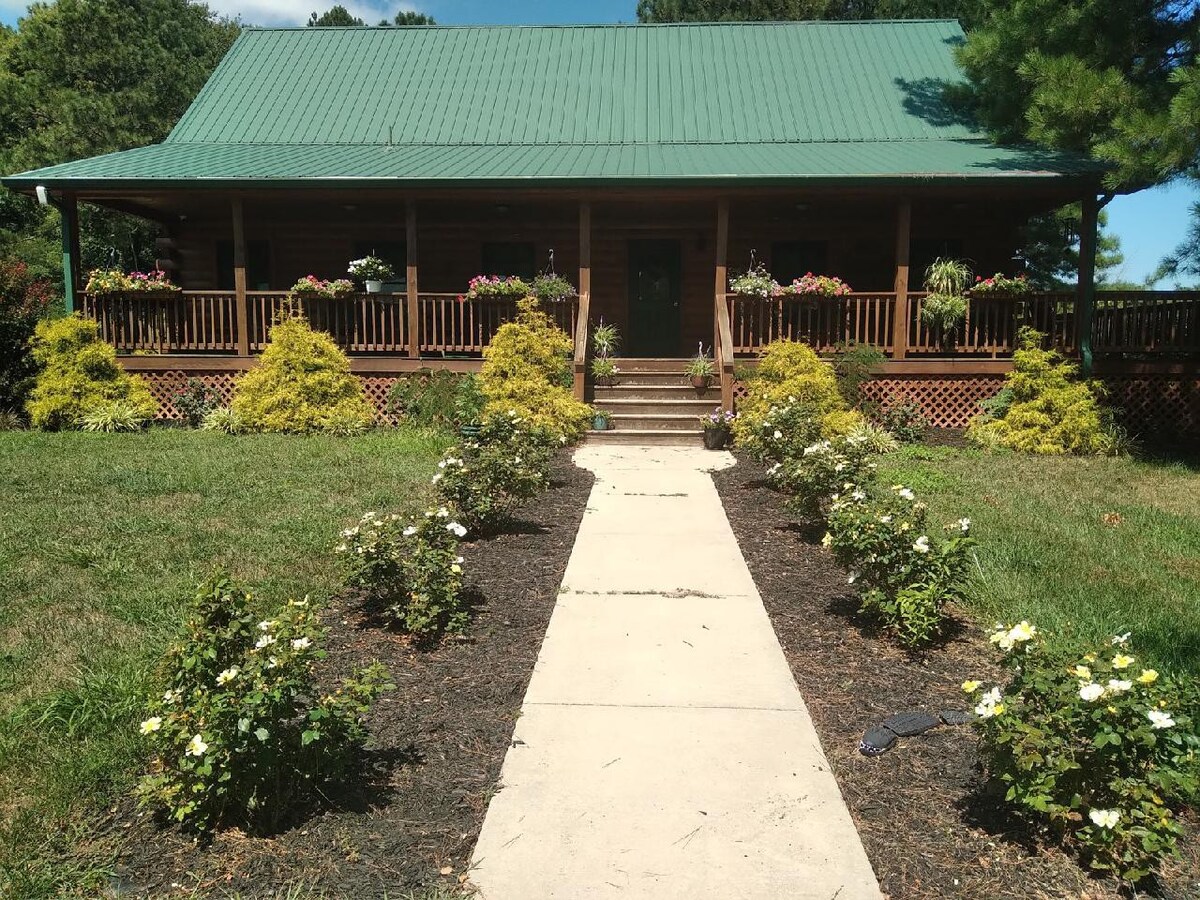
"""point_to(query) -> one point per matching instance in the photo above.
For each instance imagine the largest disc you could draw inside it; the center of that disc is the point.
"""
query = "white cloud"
(296, 12)
(264, 12)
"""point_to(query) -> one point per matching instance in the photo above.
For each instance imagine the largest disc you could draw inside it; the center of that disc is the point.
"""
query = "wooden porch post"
(585, 298)
(722, 343)
(1085, 298)
(239, 278)
(410, 250)
(901, 313)
(68, 209)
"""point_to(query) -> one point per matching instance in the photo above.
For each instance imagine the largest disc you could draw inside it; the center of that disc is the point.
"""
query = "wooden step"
(655, 422)
(646, 436)
(654, 406)
(644, 364)
(674, 391)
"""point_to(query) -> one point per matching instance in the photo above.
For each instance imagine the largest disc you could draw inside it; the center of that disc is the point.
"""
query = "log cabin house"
(647, 161)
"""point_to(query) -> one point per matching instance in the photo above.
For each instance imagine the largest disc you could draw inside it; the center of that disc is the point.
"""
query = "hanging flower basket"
(493, 287)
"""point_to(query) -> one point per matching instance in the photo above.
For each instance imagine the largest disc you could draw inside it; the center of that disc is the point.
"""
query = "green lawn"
(102, 540)
(1046, 554)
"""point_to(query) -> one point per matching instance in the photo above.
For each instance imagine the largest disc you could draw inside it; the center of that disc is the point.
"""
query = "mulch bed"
(929, 825)
(437, 741)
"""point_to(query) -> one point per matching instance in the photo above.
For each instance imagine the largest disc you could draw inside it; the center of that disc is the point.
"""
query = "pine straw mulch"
(928, 822)
(436, 746)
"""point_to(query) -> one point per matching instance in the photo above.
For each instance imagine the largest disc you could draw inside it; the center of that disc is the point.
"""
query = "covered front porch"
(656, 263)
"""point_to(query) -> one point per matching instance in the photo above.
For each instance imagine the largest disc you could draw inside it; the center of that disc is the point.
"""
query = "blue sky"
(1150, 223)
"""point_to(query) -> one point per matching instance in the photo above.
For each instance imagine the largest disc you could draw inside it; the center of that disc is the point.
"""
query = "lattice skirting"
(1149, 404)
(166, 384)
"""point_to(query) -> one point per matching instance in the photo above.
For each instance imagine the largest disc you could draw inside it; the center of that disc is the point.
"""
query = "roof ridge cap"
(613, 25)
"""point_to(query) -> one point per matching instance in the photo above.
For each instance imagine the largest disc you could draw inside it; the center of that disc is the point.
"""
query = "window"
(924, 251)
(394, 253)
(258, 266)
(791, 259)
(508, 258)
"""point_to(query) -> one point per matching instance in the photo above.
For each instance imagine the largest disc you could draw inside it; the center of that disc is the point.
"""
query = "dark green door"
(654, 289)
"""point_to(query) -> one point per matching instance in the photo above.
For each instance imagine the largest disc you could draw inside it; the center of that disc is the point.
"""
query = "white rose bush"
(411, 566)
(904, 572)
(489, 477)
(240, 733)
(1091, 744)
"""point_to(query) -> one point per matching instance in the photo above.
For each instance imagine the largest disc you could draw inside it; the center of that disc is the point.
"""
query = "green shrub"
(79, 372)
(24, 299)
(224, 420)
(876, 439)
(1092, 744)
(527, 371)
(195, 402)
(905, 578)
(791, 374)
(437, 399)
(1050, 410)
(240, 733)
(904, 419)
(488, 478)
(852, 364)
(302, 384)
(115, 416)
(412, 566)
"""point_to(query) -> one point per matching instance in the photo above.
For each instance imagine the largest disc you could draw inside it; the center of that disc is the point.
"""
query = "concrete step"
(676, 391)
(655, 406)
(646, 436)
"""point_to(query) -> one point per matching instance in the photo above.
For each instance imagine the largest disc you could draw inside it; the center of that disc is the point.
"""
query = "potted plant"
(372, 272)
(493, 287)
(755, 282)
(600, 420)
(605, 339)
(604, 371)
(945, 306)
(1001, 285)
(551, 288)
(815, 286)
(717, 426)
(312, 286)
(700, 369)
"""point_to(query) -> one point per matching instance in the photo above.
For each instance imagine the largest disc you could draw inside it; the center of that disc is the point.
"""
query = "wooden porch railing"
(1146, 322)
(206, 321)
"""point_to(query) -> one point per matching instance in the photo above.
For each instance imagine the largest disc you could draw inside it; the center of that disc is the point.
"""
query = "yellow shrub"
(788, 373)
(527, 369)
(1051, 411)
(79, 374)
(302, 384)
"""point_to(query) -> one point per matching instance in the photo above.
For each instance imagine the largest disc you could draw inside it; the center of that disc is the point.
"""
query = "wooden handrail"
(724, 352)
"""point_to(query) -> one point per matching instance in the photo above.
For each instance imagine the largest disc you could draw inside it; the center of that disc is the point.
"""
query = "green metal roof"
(730, 102)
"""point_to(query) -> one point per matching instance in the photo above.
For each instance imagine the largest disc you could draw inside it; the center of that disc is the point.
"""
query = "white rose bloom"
(964, 525)
(301, 643)
(921, 544)
(151, 725)
(409, 531)
(458, 530)
(196, 746)
(265, 641)
(778, 434)
(1159, 719)
(228, 675)
(1091, 691)
(1118, 687)
(906, 494)
(1105, 818)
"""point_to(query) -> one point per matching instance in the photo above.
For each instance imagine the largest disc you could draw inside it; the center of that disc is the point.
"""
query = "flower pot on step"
(715, 438)
(701, 382)
(600, 422)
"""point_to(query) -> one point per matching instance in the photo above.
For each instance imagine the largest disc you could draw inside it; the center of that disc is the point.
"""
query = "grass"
(102, 541)
(1047, 554)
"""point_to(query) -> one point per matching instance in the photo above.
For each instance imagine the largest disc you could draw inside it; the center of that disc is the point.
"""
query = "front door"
(654, 290)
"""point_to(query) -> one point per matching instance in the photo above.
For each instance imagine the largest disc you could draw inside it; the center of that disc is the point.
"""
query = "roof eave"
(25, 184)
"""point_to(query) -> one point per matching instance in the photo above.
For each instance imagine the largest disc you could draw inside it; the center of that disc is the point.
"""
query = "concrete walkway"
(663, 750)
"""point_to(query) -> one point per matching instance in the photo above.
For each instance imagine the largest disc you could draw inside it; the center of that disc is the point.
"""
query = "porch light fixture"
(43, 195)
